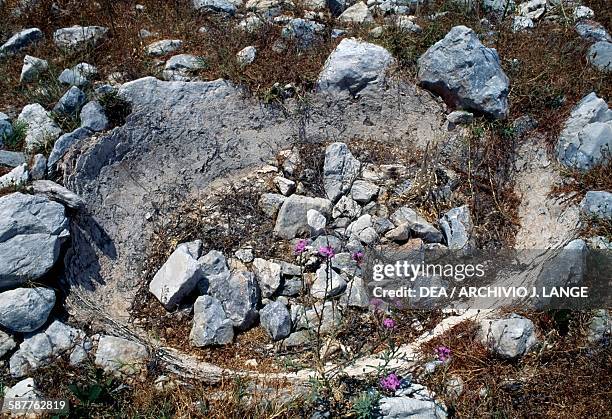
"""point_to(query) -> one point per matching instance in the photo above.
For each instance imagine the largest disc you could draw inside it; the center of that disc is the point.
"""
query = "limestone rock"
(120, 355)
(597, 204)
(79, 37)
(353, 66)
(56, 192)
(32, 229)
(328, 283)
(93, 117)
(41, 128)
(32, 67)
(163, 47)
(508, 338)
(210, 323)
(600, 56)
(268, 276)
(340, 169)
(292, 219)
(71, 102)
(457, 227)
(26, 309)
(276, 320)
(239, 296)
(465, 73)
(357, 13)
(20, 40)
(179, 276)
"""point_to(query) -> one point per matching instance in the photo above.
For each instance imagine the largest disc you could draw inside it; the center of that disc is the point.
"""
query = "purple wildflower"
(358, 257)
(376, 303)
(300, 246)
(443, 353)
(390, 383)
(389, 323)
(327, 252)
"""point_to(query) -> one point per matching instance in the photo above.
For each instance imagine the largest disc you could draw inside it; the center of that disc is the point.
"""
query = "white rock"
(522, 23)
(120, 355)
(508, 338)
(41, 127)
(363, 191)
(246, 55)
(16, 178)
(340, 169)
(268, 276)
(26, 309)
(25, 389)
(284, 185)
(179, 276)
(357, 13)
(163, 47)
(32, 67)
(328, 283)
(79, 37)
(316, 222)
(583, 12)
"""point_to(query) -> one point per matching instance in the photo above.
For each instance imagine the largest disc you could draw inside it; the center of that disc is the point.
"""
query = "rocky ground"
(191, 193)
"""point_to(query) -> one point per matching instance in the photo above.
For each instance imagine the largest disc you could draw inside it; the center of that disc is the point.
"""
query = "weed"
(116, 108)
(16, 139)
(364, 406)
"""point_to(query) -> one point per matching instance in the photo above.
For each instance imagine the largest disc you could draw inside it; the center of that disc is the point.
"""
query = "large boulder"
(79, 37)
(26, 309)
(210, 323)
(465, 73)
(292, 219)
(508, 338)
(353, 66)
(276, 320)
(120, 355)
(339, 170)
(597, 204)
(32, 229)
(20, 40)
(587, 135)
(179, 276)
(41, 129)
(38, 349)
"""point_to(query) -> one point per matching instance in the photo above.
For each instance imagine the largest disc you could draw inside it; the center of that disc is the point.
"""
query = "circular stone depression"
(181, 139)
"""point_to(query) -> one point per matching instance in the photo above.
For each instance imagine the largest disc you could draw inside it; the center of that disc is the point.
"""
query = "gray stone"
(421, 227)
(457, 227)
(303, 31)
(363, 191)
(71, 102)
(32, 229)
(120, 355)
(327, 240)
(340, 169)
(465, 73)
(407, 407)
(316, 222)
(7, 344)
(79, 37)
(508, 338)
(239, 296)
(597, 204)
(592, 31)
(346, 207)
(93, 117)
(244, 254)
(459, 118)
(499, 6)
(533, 9)
(24, 389)
(600, 56)
(292, 218)
(184, 62)
(38, 349)
(276, 320)
(270, 203)
(291, 287)
(246, 55)
(284, 185)
(223, 6)
(326, 315)
(583, 12)
(268, 276)
(11, 158)
(16, 178)
(179, 276)
(381, 225)
(600, 327)
(63, 144)
(80, 75)
(210, 323)
(407, 24)
(38, 170)
(328, 283)
(586, 135)
(357, 13)
(298, 339)
(268, 8)
(214, 269)
(362, 230)
(6, 129)
(26, 309)
(32, 67)
(356, 294)
(353, 66)
(41, 128)
(20, 40)
(163, 47)
(56, 192)
(521, 23)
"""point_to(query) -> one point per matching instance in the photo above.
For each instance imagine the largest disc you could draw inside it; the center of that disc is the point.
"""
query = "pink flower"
(390, 383)
(388, 323)
(443, 353)
(327, 252)
(376, 303)
(358, 257)
(300, 246)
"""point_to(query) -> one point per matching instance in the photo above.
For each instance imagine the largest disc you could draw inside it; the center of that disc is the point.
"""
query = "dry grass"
(560, 380)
